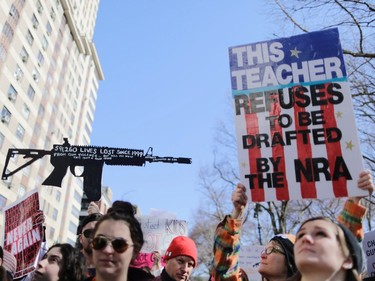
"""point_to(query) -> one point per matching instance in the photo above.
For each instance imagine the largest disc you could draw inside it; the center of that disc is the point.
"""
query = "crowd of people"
(322, 249)
(308, 255)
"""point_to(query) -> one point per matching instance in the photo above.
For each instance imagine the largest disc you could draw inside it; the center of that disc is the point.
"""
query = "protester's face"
(179, 268)
(86, 241)
(317, 248)
(273, 264)
(110, 263)
(48, 268)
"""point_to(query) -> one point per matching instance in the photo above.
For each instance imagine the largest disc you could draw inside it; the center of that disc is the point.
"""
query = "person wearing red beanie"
(180, 260)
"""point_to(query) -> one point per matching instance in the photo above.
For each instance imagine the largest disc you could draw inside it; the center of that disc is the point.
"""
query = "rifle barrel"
(168, 159)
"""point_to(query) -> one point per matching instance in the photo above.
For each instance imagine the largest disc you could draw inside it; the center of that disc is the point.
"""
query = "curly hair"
(73, 263)
(122, 210)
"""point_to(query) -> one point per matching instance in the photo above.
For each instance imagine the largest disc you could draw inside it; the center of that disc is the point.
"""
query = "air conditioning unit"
(12, 96)
(18, 74)
(5, 118)
(12, 12)
(35, 25)
(25, 58)
(35, 76)
(40, 9)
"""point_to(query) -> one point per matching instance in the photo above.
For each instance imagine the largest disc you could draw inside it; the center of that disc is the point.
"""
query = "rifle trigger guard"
(73, 171)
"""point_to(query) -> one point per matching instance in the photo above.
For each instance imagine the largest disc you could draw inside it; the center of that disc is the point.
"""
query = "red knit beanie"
(182, 246)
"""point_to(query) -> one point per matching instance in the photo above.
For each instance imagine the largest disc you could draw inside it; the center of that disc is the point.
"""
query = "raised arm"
(227, 240)
(353, 213)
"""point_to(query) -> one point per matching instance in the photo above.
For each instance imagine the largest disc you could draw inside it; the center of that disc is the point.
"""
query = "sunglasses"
(88, 233)
(120, 245)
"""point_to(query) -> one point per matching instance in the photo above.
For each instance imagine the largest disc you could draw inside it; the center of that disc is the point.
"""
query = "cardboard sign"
(249, 258)
(22, 234)
(158, 234)
(296, 131)
(368, 245)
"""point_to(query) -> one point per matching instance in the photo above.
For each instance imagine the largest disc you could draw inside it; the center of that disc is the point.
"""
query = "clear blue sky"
(166, 85)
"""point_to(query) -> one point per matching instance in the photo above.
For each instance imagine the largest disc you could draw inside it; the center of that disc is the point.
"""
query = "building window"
(38, 181)
(87, 129)
(49, 29)
(20, 133)
(41, 111)
(3, 201)
(3, 52)
(77, 196)
(35, 75)
(31, 92)
(29, 38)
(8, 181)
(39, 7)
(25, 111)
(53, 14)
(72, 227)
(51, 232)
(40, 58)
(44, 42)
(13, 12)
(49, 78)
(54, 214)
(18, 73)
(34, 21)
(8, 31)
(5, 115)
(75, 212)
(12, 93)
(2, 138)
(24, 55)
(21, 191)
(58, 195)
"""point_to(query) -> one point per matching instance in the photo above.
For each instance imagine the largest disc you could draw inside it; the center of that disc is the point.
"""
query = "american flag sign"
(296, 131)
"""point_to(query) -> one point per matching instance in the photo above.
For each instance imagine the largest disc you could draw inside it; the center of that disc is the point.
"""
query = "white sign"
(368, 245)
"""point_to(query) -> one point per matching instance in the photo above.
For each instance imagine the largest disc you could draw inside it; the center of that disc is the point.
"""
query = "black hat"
(286, 241)
(88, 219)
(354, 248)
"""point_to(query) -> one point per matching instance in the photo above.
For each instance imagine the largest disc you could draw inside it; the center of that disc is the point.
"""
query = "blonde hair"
(352, 273)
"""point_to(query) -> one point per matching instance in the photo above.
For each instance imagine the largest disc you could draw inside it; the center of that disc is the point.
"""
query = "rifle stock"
(34, 154)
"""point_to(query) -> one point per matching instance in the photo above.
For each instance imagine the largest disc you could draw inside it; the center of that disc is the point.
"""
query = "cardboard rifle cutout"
(91, 158)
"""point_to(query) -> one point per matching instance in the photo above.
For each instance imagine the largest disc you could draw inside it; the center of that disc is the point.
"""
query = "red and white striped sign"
(296, 131)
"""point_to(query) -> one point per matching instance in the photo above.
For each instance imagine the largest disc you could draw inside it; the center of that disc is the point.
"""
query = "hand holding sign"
(365, 183)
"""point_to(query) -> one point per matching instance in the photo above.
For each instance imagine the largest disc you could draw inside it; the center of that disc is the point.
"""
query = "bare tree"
(356, 22)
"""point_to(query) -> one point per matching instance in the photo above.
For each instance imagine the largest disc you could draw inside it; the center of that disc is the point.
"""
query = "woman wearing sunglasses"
(117, 240)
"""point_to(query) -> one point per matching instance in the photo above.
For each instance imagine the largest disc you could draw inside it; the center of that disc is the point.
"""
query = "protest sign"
(296, 131)
(249, 259)
(22, 234)
(368, 245)
(158, 233)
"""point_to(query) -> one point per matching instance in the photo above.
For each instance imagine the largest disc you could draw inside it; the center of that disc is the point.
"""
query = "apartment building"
(49, 80)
